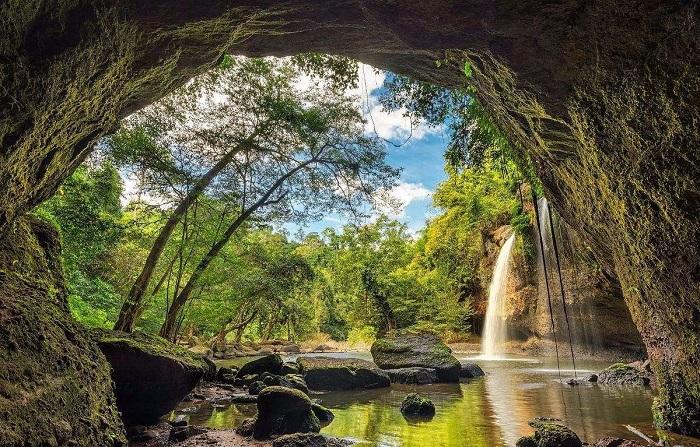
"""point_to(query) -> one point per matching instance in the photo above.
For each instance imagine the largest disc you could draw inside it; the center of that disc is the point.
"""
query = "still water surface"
(490, 411)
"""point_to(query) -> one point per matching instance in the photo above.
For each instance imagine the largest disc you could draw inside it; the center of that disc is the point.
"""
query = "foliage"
(350, 284)
(474, 139)
(87, 212)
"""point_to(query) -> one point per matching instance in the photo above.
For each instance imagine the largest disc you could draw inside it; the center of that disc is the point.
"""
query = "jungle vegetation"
(223, 164)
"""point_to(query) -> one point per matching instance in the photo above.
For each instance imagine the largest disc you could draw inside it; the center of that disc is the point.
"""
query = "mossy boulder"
(525, 441)
(324, 415)
(270, 363)
(334, 374)
(226, 374)
(309, 440)
(549, 433)
(55, 384)
(416, 406)
(417, 350)
(414, 375)
(282, 411)
(469, 370)
(623, 374)
(297, 382)
(150, 374)
(290, 368)
(616, 442)
(255, 387)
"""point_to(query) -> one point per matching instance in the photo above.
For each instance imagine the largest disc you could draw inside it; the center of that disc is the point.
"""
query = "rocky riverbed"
(263, 401)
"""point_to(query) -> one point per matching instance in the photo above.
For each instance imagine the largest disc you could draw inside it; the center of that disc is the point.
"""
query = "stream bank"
(497, 406)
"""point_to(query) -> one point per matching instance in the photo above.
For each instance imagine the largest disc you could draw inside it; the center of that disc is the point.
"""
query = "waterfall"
(494, 334)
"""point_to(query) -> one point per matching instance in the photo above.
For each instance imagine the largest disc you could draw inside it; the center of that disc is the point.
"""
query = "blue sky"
(420, 157)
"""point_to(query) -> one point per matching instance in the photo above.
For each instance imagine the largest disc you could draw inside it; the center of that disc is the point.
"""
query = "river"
(489, 411)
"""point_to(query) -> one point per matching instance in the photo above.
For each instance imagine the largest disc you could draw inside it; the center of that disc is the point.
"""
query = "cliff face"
(602, 96)
(55, 385)
(598, 318)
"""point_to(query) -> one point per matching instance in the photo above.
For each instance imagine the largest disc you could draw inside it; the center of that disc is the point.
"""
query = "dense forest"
(218, 168)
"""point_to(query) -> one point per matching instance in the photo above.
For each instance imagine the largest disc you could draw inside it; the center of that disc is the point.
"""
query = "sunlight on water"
(491, 411)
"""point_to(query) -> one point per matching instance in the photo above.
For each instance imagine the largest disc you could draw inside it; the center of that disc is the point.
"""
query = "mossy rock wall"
(54, 381)
(601, 96)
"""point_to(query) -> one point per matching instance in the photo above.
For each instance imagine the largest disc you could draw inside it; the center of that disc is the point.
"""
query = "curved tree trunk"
(168, 329)
(131, 308)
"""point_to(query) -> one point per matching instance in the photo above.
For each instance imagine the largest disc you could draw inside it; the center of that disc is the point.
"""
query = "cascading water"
(495, 330)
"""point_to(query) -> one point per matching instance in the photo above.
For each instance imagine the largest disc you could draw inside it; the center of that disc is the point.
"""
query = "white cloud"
(393, 202)
(130, 187)
(392, 126)
(333, 219)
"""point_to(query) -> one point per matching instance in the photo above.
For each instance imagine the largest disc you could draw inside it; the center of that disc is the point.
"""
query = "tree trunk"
(168, 329)
(131, 307)
(219, 343)
(269, 327)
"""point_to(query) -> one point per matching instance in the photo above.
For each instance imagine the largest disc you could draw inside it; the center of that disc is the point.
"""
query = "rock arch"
(603, 96)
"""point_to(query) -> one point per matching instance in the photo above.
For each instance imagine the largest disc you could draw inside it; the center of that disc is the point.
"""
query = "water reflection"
(491, 411)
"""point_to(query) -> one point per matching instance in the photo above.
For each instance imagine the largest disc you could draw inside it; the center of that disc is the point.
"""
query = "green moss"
(306, 363)
(152, 344)
(55, 384)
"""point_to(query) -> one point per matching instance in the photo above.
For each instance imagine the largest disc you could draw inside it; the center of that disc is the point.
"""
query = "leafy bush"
(363, 335)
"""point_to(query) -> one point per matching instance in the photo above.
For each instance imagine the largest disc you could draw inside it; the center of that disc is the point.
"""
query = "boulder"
(549, 433)
(593, 378)
(225, 371)
(298, 382)
(255, 387)
(179, 421)
(422, 350)
(245, 380)
(275, 380)
(150, 374)
(324, 415)
(178, 434)
(414, 376)
(241, 398)
(290, 368)
(414, 405)
(300, 440)
(270, 363)
(333, 374)
(227, 379)
(622, 374)
(525, 441)
(469, 370)
(309, 440)
(282, 411)
(200, 350)
(210, 373)
(246, 427)
(616, 442)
